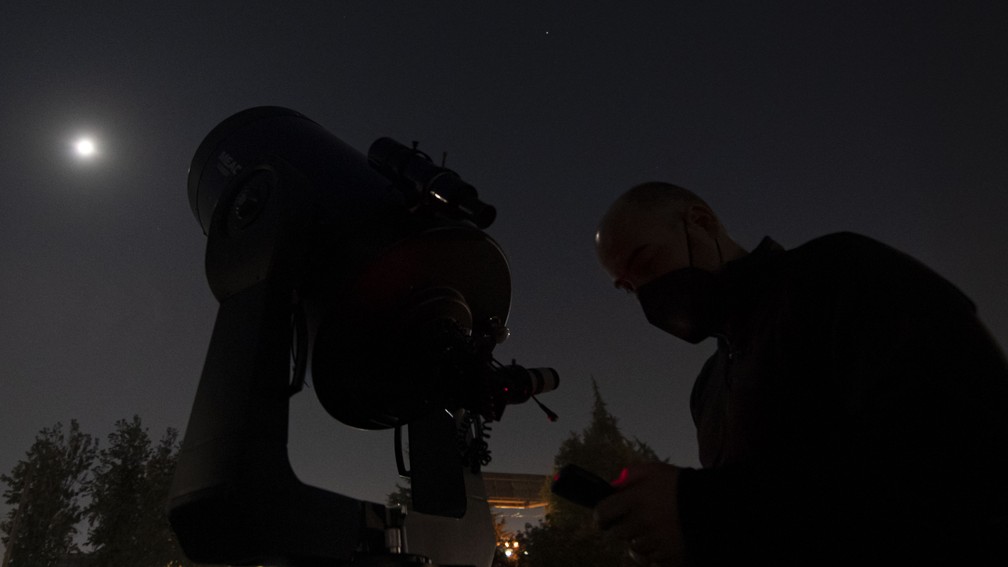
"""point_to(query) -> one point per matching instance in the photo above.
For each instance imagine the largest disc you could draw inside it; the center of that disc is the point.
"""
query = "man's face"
(636, 246)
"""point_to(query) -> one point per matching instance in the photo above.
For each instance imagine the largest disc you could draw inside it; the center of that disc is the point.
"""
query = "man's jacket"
(856, 409)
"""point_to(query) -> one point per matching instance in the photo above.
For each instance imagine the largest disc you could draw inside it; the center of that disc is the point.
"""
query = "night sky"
(793, 119)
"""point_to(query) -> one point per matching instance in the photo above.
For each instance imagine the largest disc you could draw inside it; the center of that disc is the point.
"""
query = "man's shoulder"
(842, 245)
(857, 262)
(843, 254)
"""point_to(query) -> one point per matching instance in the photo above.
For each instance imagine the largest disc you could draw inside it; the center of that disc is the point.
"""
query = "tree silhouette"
(129, 525)
(44, 492)
(567, 535)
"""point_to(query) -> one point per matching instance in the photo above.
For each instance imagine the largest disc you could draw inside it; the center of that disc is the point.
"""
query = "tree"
(44, 491)
(164, 548)
(567, 535)
(129, 490)
(403, 496)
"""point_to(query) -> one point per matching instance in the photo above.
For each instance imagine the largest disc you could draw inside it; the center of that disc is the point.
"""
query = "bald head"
(644, 234)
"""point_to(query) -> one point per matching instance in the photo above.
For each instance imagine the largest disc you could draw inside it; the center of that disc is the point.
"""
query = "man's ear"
(700, 215)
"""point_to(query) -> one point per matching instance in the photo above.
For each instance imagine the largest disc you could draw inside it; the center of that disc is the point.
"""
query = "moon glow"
(85, 147)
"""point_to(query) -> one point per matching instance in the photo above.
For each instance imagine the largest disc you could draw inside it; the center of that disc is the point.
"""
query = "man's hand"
(644, 511)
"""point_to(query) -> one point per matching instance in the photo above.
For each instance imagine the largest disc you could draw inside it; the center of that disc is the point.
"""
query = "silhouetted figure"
(856, 409)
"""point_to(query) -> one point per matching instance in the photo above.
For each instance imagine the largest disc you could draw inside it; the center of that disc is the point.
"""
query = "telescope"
(374, 272)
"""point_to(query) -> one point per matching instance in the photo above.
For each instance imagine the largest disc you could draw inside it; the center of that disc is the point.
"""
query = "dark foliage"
(568, 536)
(44, 491)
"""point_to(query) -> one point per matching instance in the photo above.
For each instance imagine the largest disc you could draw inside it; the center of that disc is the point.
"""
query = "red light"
(621, 479)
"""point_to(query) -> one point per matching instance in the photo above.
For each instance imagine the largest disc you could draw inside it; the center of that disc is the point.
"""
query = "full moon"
(85, 147)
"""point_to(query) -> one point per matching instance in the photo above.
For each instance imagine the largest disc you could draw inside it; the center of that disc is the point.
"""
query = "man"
(855, 410)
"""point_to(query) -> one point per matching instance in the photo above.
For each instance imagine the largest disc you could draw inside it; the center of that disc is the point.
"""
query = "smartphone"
(580, 486)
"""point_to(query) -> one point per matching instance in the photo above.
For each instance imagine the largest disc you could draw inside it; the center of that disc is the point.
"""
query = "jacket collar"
(743, 285)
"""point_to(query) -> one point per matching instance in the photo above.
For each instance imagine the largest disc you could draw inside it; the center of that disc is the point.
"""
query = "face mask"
(686, 303)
